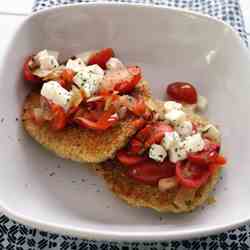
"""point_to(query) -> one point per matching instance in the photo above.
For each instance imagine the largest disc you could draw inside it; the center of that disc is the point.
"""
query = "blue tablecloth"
(20, 237)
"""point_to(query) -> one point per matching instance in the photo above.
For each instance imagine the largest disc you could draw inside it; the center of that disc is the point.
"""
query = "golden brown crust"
(176, 200)
(78, 144)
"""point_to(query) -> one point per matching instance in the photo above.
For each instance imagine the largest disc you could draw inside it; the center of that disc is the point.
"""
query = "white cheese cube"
(201, 103)
(211, 132)
(194, 143)
(170, 139)
(175, 117)
(185, 128)
(54, 92)
(177, 153)
(157, 153)
(47, 60)
(89, 79)
(171, 105)
(76, 65)
(114, 64)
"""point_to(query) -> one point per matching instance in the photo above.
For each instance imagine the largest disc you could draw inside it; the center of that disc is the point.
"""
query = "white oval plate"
(41, 190)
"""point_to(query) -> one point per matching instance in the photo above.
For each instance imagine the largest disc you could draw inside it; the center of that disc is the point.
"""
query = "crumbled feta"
(177, 153)
(185, 128)
(89, 79)
(76, 65)
(157, 153)
(170, 139)
(194, 143)
(175, 117)
(54, 92)
(201, 103)
(114, 63)
(47, 60)
(211, 132)
(171, 105)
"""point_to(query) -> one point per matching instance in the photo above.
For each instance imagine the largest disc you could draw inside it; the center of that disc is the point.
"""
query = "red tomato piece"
(208, 155)
(190, 175)
(135, 146)
(59, 117)
(182, 92)
(27, 73)
(66, 78)
(144, 133)
(101, 57)
(149, 172)
(127, 159)
(139, 107)
(127, 85)
(138, 123)
(157, 133)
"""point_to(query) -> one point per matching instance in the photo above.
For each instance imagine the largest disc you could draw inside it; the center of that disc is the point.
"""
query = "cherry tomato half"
(150, 172)
(128, 159)
(59, 117)
(101, 57)
(182, 92)
(127, 85)
(27, 73)
(190, 175)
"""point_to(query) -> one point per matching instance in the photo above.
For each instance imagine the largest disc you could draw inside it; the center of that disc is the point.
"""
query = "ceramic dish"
(41, 190)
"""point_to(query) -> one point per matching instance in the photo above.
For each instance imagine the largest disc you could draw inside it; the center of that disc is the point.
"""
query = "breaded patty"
(77, 144)
(176, 200)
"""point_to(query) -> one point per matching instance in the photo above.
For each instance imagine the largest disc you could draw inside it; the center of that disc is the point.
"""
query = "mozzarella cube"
(114, 64)
(89, 79)
(157, 153)
(47, 60)
(211, 132)
(54, 92)
(75, 65)
(194, 143)
(170, 139)
(201, 103)
(175, 117)
(171, 105)
(177, 153)
(185, 128)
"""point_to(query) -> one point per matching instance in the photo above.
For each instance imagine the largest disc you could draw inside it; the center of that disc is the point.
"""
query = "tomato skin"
(157, 133)
(198, 175)
(136, 146)
(150, 172)
(208, 155)
(28, 75)
(182, 92)
(126, 86)
(101, 57)
(139, 108)
(66, 78)
(59, 118)
(138, 123)
(128, 159)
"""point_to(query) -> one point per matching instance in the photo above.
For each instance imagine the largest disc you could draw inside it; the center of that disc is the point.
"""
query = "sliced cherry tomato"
(128, 159)
(27, 73)
(144, 133)
(220, 160)
(106, 120)
(101, 57)
(157, 133)
(138, 123)
(59, 117)
(150, 172)
(66, 78)
(136, 146)
(127, 85)
(182, 92)
(190, 175)
(139, 107)
(147, 115)
(208, 155)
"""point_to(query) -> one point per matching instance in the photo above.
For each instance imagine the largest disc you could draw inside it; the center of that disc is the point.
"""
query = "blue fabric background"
(14, 236)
